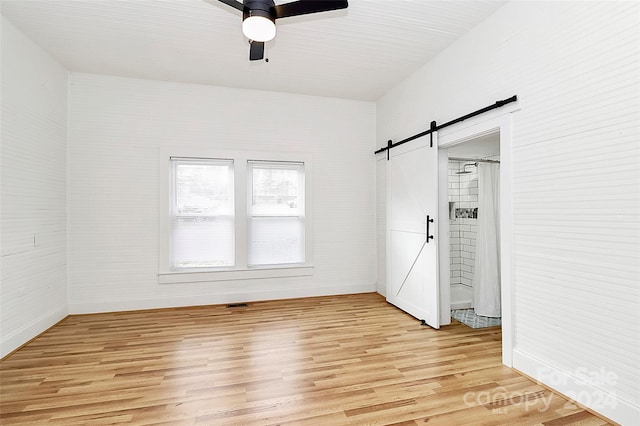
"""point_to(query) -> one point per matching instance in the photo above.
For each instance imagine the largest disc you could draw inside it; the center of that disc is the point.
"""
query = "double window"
(233, 213)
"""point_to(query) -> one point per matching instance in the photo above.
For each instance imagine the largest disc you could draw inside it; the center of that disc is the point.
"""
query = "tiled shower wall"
(463, 192)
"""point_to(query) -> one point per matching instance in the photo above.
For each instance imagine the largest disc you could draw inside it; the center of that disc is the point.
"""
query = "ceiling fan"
(259, 18)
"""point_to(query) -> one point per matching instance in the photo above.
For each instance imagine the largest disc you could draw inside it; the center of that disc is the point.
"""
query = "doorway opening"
(474, 232)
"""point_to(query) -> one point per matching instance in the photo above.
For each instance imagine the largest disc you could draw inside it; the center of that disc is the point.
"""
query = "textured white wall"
(33, 190)
(117, 127)
(575, 68)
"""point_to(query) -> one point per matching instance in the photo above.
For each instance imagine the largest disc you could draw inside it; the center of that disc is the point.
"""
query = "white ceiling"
(356, 53)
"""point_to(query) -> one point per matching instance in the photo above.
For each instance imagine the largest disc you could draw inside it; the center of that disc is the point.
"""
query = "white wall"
(117, 127)
(33, 190)
(575, 68)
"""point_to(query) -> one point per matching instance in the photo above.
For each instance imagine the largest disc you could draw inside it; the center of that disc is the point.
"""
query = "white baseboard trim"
(213, 299)
(13, 341)
(575, 385)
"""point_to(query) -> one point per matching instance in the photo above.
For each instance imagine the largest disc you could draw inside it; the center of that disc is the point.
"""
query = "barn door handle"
(429, 237)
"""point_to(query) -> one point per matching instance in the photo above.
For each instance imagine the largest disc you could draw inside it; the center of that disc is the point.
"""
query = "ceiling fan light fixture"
(259, 28)
(259, 17)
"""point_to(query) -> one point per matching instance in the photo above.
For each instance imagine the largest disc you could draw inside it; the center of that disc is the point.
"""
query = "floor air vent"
(237, 305)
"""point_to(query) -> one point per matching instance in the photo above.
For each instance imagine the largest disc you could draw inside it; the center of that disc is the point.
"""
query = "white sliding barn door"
(412, 253)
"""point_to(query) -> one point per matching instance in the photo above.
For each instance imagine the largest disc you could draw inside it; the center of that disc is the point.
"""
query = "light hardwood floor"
(340, 360)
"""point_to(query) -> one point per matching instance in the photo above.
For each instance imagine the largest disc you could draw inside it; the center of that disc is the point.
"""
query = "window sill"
(179, 277)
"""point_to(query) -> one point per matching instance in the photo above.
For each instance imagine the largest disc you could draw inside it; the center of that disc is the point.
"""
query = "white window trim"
(241, 270)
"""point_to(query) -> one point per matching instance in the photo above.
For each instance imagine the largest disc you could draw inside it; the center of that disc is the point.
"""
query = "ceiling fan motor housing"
(264, 8)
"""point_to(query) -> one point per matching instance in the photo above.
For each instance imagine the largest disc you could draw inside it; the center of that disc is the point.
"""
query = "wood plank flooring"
(340, 360)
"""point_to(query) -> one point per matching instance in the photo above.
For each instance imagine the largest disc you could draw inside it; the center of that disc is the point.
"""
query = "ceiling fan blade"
(303, 7)
(256, 50)
(234, 3)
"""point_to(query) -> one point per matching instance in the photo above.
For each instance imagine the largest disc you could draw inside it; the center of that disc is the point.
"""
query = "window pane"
(276, 240)
(204, 188)
(203, 214)
(277, 190)
(276, 213)
(201, 242)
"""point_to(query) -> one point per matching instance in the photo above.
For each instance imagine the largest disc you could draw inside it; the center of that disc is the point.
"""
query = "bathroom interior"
(473, 193)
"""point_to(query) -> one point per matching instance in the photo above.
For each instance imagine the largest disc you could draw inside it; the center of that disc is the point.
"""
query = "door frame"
(499, 122)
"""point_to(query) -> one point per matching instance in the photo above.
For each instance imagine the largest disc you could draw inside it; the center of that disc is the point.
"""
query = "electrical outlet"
(36, 240)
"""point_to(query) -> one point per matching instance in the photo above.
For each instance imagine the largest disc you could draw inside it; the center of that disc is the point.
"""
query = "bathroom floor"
(468, 317)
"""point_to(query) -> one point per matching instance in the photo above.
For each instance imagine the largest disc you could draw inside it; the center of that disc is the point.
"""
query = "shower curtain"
(486, 277)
